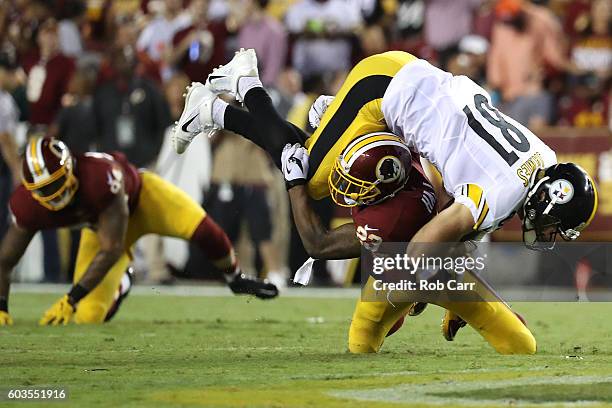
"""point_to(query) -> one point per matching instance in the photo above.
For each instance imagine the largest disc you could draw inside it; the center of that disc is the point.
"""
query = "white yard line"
(425, 393)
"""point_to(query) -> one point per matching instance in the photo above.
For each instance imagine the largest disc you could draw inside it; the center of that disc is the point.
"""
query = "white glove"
(294, 160)
(317, 110)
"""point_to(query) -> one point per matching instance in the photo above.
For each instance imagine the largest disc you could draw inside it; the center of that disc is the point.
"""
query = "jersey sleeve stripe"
(482, 217)
(475, 194)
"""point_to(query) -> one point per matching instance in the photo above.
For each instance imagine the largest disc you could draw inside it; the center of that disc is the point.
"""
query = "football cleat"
(225, 78)
(196, 117)
(416, 308)
(451, 325)
(124, 290)
(244, 285)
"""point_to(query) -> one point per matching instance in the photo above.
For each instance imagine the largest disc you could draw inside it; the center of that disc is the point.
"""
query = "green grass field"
(167, 351)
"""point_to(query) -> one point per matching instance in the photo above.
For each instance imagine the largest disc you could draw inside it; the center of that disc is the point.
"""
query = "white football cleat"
(196, 117)
(225, 78)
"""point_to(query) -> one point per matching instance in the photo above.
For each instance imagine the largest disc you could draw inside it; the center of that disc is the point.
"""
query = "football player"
(393, 210)
(115, 204)
(492, 167)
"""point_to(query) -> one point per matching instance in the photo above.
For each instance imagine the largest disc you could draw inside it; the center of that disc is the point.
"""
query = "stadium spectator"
(239, 195)
(525, 36)
(191, 173)
(407, 28)
(49, 72)
(9, 158)
(266, 35)
(471, 59)
(446, 23)
(373, 41)
(131, 113)
(586, 103)
(323, 32)
(69, 30)
(156, 38)
(76, 122)
(592, 51)
(200, 47)
(25, 18)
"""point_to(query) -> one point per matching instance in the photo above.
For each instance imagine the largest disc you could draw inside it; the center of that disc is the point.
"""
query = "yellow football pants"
(494, 321)
(162, 209)
(355, 111)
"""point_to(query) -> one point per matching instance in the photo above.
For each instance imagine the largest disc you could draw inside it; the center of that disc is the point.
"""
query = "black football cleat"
(123, 293)
(416, 309)
(245, 285)
(451, 325)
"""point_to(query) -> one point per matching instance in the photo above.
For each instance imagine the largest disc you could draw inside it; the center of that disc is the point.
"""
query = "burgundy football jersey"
(400, 217)
(99, 176)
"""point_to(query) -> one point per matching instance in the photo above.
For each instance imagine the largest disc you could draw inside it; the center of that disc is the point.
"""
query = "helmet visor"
(349, 191)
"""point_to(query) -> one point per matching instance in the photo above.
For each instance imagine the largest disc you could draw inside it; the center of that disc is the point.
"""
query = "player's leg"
(166, 210)
(262, 125)
(497, 324)
(95, 307)
(491, 317)
(373, 320)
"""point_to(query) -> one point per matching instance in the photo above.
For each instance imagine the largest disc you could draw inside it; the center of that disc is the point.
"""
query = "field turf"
(164, 351)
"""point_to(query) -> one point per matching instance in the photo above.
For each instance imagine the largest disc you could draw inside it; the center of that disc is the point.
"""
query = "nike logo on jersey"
(186, 124)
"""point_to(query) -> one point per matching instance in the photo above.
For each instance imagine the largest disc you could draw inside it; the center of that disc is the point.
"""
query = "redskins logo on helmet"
(48, 173)
(371, 168)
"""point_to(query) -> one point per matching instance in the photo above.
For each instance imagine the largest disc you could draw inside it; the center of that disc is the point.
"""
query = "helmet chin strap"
(533, 190)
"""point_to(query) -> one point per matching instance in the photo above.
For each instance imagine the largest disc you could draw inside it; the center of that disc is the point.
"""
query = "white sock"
(126, 284)
(245, 84)
(218, 112)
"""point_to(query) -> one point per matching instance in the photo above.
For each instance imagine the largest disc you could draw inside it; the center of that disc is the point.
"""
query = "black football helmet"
(563, 201)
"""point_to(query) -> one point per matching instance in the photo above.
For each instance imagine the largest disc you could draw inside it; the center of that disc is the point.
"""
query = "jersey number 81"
(522, 144)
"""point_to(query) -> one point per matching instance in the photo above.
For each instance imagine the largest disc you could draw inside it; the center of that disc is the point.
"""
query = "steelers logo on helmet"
(561, 191)
(389, 169)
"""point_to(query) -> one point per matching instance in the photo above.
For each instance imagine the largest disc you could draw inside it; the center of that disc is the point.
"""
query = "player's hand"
(294, 160)
(5, 319)
(60, 313)
(317, 110)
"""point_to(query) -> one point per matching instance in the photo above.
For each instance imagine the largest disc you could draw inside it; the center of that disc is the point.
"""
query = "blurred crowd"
(109, 75)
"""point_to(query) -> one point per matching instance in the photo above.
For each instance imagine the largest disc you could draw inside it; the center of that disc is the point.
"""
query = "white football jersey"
(485, 157)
